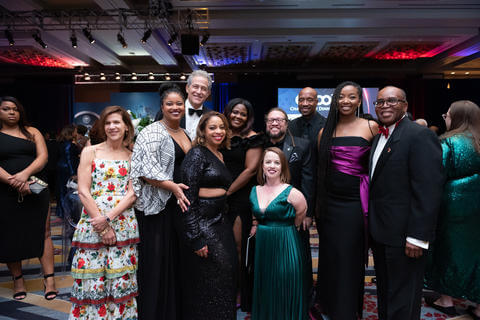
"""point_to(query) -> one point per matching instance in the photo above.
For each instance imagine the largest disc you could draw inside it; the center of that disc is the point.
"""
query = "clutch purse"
(38, 185)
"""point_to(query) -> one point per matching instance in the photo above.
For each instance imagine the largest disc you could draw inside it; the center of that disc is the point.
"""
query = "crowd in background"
(203, 215)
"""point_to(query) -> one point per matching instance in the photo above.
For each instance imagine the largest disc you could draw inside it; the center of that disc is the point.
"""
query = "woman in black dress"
(209, 260)
(157, 156)
(342, 204)
(24, 216)
(242, 161)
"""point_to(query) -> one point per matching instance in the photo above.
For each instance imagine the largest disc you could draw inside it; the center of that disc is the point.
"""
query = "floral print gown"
(105, 280)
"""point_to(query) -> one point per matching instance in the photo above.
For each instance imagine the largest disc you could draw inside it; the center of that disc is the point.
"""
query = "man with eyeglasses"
(300, 163)
(310, 122)
(405, 191)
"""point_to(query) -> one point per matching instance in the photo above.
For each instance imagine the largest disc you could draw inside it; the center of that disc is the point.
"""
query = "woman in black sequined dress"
(242, 161)
(208, 256)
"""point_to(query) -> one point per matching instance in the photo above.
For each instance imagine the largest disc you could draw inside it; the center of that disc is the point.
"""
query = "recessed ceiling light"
(453, 72)
(467, 72)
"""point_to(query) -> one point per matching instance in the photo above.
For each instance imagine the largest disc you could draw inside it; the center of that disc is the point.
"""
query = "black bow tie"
(199, 112)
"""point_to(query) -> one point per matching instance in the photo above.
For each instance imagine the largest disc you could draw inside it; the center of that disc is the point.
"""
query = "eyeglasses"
(389, 101)
(277, 120)
(445, 116)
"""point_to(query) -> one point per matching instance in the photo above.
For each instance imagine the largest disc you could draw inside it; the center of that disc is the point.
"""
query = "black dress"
(341, 264)
(208, 284)
(239, 205)
(158, 264)
(23, 223)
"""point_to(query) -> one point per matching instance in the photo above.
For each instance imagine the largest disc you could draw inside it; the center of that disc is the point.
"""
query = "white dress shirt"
(382, 141)
(191, 121)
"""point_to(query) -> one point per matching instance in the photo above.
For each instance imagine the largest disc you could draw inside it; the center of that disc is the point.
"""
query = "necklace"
(171, 129)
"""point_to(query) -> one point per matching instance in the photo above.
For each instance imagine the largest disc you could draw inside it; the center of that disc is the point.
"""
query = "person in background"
(422, 122)
(280, 290)
(80, 136)
(68, 160)
(157, 156)
(208, 255)
(453, 269)
(104, 266)
(25, 215)
(406, 182)
(342, 205)
(242, 161)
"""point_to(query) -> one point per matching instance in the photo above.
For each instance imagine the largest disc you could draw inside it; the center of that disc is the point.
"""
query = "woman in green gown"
(278, 209)
(454, 261)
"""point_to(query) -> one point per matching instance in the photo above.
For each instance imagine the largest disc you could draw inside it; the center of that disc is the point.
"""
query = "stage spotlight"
(102, 76)
(183, 77)
(121, 39)
(150, 76)
(38, 39)
(73, 39)
(88, 35)
(205, 38)
(86, 77)
(117, 76)
(168, 78)
(134, 76)
(172, 39)
(146, 35)
(9, 36)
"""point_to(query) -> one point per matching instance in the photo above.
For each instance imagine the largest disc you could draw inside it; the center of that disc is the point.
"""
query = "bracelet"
(104, 231)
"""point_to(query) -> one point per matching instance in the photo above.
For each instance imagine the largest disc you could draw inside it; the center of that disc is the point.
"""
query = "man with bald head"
(310, 122)
(406, 182)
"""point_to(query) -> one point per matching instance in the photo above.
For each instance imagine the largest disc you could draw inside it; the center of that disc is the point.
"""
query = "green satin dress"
(454, 262)
(279, 290)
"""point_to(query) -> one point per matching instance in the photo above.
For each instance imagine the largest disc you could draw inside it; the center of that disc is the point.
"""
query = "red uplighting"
(32, 57)
(407, 51)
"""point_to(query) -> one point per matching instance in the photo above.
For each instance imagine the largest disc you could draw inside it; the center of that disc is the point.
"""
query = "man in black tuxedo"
(405, 190)
(300, 163)
(199, 86)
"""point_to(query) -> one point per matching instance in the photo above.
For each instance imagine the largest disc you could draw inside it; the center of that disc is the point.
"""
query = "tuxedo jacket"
(298, 152)
(406, 186)
(159, 115)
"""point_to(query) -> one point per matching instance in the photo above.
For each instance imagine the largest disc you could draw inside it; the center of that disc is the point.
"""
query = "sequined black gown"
(208, 284)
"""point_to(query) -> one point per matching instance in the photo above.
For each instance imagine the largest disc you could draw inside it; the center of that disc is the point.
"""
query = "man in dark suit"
(310, 122)
(405, 191)
(199, 86)
(299, 156)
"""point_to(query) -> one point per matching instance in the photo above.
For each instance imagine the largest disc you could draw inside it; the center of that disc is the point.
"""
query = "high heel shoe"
(50, 295)
(21, 294)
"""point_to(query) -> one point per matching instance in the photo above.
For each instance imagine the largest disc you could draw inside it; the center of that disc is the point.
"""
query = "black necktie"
(199, 112)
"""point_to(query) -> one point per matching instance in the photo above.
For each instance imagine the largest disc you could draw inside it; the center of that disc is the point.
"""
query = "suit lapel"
(287, 149)
(374, 146)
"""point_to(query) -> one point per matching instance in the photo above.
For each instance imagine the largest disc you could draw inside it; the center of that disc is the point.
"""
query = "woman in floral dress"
(105, 263)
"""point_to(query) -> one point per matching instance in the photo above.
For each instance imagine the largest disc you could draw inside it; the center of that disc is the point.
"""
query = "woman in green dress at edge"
(278, 209)
(453, 268)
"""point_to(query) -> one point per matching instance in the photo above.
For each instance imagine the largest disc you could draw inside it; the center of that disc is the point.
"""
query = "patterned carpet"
(35, 307)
